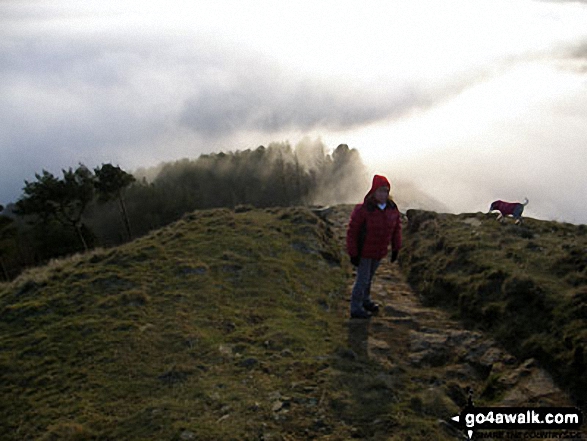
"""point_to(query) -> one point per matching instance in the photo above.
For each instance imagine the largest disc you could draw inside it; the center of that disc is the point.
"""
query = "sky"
(466, 102)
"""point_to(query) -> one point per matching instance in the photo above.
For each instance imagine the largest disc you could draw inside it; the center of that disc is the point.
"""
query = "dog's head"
(493, 205)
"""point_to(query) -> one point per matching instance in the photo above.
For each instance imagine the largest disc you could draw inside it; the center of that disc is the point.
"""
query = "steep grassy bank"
(216, 327)
(526, 285)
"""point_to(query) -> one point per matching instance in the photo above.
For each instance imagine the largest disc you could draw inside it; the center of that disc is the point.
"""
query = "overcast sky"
(467, 101)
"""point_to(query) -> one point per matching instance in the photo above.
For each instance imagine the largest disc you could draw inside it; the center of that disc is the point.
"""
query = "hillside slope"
(526, 286)
(233, 325)
(194, 329)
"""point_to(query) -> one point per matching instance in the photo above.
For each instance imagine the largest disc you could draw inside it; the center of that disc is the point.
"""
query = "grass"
(526, 285)
(199, 329)
(233, 325)
(228, 325)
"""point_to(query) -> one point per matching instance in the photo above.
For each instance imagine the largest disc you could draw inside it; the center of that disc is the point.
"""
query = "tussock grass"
(220, 326)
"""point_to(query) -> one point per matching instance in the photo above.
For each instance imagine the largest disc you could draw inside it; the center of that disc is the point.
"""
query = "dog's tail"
(525, 201)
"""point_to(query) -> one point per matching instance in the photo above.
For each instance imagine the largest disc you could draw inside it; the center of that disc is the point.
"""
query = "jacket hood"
(378, 181)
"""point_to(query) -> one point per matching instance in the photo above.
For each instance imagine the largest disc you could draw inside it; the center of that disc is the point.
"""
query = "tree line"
(107, 206)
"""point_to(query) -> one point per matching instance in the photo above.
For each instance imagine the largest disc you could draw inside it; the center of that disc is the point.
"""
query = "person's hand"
(394, 255)
(355, 260)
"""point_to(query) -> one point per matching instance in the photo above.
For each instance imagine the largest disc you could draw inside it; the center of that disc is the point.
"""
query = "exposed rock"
(226, 350)
(474, 222)
(529, 384)
(375, 344)
(429, 349)
(186, 435)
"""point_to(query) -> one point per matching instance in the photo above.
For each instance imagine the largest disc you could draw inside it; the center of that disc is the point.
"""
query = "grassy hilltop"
(233, 325)
(526, 285)
(226, 325)
(198, 328)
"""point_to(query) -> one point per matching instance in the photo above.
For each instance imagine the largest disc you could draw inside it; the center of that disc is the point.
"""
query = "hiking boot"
(371, 307)
(361, 315)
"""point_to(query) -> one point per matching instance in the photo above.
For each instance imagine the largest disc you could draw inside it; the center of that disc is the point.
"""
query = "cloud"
(69, 97)
(572, 57)
(565, 1)
(268, 102)
(140, 84)
(579, 51)
(65, 100)
(539, 155)
(267, 98)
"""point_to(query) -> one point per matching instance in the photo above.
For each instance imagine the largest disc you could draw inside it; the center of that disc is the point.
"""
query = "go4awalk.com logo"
(537, 423)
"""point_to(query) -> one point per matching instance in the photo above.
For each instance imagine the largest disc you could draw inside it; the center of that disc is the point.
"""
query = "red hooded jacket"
(376, 228)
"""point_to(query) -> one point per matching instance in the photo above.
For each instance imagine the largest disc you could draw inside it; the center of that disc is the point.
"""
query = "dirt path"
(429, 344)
(433, 360)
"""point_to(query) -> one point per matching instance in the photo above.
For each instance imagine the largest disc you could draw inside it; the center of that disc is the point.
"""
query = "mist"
(488, 102)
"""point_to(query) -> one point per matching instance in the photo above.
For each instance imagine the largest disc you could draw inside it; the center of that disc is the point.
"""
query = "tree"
(342, 175)
(7, 240)
(110, 183)
(64, 200)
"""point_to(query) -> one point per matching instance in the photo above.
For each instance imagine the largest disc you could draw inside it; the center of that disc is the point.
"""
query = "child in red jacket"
(374, 225)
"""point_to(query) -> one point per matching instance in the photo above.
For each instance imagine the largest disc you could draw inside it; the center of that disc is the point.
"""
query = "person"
(373, 226)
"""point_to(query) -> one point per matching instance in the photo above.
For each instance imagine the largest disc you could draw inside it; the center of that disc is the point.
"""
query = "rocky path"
(433, 360)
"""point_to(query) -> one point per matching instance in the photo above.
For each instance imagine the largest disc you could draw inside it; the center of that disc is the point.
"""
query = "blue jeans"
(362, 289)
